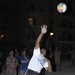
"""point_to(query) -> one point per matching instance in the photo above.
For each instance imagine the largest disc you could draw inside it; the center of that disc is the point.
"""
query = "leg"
(59, 64)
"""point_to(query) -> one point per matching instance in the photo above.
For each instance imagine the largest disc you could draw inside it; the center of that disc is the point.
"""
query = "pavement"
(66, 69)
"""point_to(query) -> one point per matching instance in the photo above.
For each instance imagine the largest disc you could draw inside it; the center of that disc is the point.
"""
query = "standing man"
(38, 61)
(57, 57)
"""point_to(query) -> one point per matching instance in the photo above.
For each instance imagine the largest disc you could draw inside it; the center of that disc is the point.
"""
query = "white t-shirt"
(37, 61)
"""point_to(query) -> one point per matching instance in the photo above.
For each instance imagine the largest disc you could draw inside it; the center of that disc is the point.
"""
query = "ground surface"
(66, 69)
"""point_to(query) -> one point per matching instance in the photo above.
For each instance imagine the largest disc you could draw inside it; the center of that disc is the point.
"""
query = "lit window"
(30, 21)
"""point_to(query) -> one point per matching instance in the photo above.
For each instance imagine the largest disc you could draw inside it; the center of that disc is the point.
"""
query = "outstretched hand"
(43, 29)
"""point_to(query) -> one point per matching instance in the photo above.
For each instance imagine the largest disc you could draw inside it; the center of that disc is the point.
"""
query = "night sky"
(16, 32)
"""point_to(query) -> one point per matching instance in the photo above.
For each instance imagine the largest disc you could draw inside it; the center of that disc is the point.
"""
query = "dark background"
(16, 30)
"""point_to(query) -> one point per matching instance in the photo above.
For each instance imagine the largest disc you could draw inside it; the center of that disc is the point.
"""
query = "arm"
(18, 64)
(49, 68)
(43, 31)
(19, 61)
(7, 62)
(37, 44)
(27, 59)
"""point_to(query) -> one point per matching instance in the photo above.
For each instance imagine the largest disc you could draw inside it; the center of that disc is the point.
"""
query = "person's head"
(24, 52)
(43, 52)
(11, 53)
(15, 50)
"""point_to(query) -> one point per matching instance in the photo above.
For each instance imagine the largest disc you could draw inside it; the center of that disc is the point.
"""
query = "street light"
(51, 39)
(51, 33)
(2, 36)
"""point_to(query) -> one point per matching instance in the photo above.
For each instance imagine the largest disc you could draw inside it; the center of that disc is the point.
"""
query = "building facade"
(23, 19)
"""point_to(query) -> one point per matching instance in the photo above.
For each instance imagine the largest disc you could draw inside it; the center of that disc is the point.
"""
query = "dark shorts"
(30, 72)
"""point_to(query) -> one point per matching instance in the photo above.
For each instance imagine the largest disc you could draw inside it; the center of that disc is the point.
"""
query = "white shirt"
(37, 61)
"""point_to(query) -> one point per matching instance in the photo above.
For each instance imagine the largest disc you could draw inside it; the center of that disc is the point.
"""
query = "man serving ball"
(38, 61)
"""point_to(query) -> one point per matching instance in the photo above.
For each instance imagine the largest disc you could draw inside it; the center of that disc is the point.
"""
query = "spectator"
(57, 57)
(16, 53)
(24, 60)
(51, 57)
(11, 64)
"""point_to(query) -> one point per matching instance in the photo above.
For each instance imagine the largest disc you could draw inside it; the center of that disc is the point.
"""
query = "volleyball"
(61, 8)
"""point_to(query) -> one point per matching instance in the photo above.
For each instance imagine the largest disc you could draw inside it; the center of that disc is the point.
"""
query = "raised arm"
(43, 31)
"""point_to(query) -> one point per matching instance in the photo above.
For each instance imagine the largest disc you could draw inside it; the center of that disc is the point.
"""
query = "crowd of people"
(26, 62)
(17, 62)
